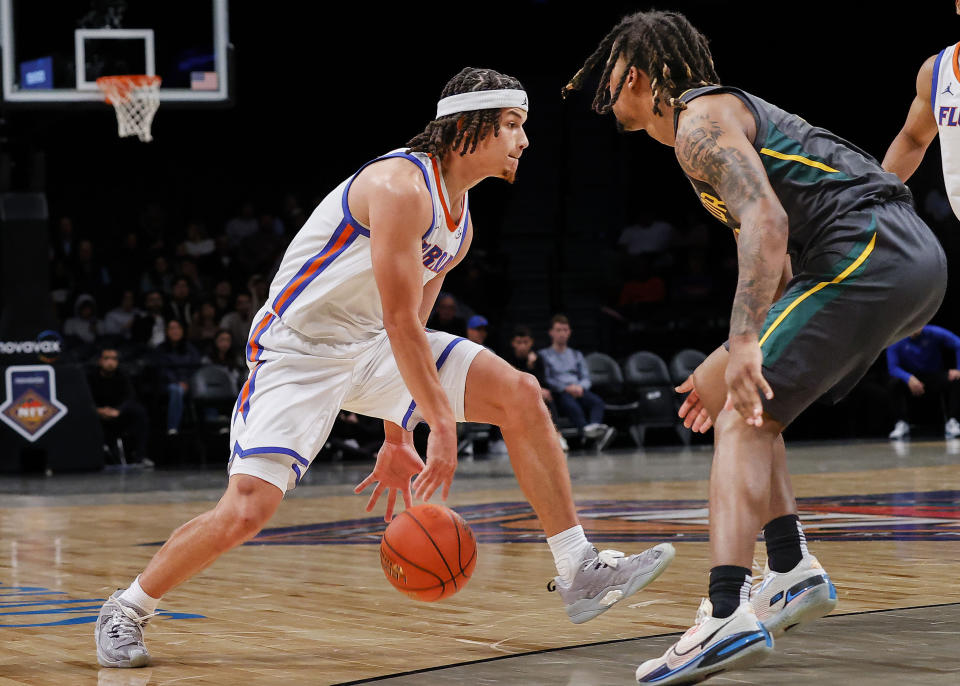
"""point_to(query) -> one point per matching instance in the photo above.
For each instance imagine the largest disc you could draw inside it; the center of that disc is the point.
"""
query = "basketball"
(428, 552)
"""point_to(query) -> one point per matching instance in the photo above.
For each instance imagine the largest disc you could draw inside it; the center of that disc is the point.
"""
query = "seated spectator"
(477, 330)
(177, 360)
(527, 360)
(223, 353)
(223, 298)
(119, 321)
(128, 262)
(916, 367)
(204, 326)
(198, 244)
(188, 270)
(567, 377)
(180, 305)
(89, 275)
(150, 328)
(84, 324)
(120, 413)
(444, 317)
(238, 322)
(158, 278)
(241, 226)
(259, 291)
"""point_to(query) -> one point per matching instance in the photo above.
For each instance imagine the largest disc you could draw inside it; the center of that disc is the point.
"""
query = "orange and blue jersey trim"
(440, 360)
(341, 239)
(246, 393)
(346, 205)
(254, 349)
(272, 450)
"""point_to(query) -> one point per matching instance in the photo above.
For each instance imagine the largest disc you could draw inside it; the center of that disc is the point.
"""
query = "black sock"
(729, 586)
(786, 543)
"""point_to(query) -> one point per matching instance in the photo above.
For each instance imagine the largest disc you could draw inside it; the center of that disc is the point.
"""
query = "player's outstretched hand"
(396, 464)
(441, 463)
(692, 411)
(745, 382)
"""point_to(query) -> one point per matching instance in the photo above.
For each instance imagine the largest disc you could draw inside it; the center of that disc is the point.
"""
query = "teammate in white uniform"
(934, 110)
(344, 328)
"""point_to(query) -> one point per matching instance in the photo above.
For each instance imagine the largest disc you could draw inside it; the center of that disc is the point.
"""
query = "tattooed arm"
(713, 145)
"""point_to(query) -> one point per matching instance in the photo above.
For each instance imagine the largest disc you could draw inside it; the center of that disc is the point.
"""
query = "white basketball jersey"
(325, 288)
(945, 100)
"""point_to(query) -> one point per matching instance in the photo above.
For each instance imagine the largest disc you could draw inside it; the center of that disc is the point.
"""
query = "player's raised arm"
(908, 148)
(399, 209)
(712, 146)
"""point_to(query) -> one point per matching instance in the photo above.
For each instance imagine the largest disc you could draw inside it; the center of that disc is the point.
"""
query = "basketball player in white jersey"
(934, 110)
(344, 328)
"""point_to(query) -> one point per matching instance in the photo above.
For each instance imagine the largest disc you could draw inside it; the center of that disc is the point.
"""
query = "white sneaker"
(594, 430)
(951, 429)
(564, 446)
(119, 634)
(785, 599)
(901, 431)
(710, 646)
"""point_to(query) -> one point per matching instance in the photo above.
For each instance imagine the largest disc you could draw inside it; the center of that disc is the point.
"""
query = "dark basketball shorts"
(878, 275)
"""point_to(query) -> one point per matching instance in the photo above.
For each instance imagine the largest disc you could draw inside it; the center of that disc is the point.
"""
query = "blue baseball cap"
(476, 321)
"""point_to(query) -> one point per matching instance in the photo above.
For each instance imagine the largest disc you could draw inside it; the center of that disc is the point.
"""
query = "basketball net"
(135, 99)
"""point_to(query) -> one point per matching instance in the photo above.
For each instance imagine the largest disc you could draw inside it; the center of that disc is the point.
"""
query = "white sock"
(137, 596)
(568, 548)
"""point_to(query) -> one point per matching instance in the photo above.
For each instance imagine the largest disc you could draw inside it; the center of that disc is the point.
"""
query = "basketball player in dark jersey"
(834, 265)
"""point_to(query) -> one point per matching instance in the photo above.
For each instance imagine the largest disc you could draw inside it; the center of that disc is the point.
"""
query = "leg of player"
(589, 582)
(246, 506)
(795, 588)
(727, 633)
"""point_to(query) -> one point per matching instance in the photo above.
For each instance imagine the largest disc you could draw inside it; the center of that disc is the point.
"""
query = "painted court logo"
(31, 407)
(31, 606)
(910, 516)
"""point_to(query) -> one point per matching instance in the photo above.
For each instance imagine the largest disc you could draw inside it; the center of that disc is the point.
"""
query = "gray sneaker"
(119, 634)
(607, 577)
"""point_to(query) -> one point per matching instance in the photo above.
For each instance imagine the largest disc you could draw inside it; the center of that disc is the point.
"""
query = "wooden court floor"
(309, 604)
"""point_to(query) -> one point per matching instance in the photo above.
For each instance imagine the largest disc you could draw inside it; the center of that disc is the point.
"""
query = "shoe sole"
(141, 661)
(747, 657)
(588, 608)
(815, 603)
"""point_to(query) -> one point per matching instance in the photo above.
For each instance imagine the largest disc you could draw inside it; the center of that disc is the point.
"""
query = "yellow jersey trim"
(798, 158)
(820, 286)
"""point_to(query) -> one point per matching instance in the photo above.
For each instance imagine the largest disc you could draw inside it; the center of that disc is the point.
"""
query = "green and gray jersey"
(817, 176)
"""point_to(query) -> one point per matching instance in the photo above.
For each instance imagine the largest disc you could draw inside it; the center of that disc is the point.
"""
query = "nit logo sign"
(30, 606)
(31, 407)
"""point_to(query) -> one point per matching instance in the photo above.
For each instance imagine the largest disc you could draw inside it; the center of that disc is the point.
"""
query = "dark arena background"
(265, 108)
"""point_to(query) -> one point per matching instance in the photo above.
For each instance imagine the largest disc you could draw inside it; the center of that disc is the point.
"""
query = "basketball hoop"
(135, 99)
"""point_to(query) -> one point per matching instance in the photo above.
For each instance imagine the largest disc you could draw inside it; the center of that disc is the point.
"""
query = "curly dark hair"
(665, 45)
(443, 135)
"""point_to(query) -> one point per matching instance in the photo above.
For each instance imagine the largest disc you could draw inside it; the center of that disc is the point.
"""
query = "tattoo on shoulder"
(701, 155)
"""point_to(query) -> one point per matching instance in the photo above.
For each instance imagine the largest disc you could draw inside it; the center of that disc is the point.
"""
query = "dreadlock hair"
(665, 45)
(463, 131)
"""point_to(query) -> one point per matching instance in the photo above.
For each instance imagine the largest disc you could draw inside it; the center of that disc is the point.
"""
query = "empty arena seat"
(607, 381)
(683, 363)
(646, 374)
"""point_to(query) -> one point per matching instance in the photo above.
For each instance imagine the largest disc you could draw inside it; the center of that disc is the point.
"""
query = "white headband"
(482, 100)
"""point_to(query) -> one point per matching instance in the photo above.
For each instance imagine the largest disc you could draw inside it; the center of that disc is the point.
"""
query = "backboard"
(53, 52)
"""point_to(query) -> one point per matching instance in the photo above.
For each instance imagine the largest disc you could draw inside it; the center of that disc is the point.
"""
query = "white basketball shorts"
(296, 388)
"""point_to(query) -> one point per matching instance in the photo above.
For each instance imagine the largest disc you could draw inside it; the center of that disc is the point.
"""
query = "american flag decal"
(204, 81)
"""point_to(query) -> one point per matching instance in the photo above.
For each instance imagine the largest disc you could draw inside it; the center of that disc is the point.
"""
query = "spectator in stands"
(128, 262)
(120, 320)
(567, 377)
(238, 322)
(204, 326)
(84, 325)
(223, 298)
(158, 278)
(223, 353)
(150, 328)
(89, 275)
(63, 244)
(180, 306)
(916, 366)
(243, 225)
(189, 271)
(444, 317)
(649, 235)
(197, 244)
(177, 360)
(61, 286)
(477, 330)
(120, 414)
(527, 360)
(259, 291)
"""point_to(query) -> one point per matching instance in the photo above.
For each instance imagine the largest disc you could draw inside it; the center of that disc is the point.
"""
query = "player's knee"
(522, 399)
(247, 509)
